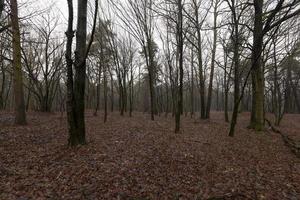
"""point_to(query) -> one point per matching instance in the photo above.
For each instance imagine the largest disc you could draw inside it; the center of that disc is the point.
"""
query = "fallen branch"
(293, 145)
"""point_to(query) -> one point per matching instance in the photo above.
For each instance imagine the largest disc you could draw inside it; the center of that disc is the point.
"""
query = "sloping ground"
(291, 126)
(134, 158)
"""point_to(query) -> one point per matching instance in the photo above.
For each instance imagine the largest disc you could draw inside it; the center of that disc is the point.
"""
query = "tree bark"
(236, 59)
(20, 115)
(2, 85)
(257, 113)
(105, 93)
(71, 114)
(212, 67)
(180, 62)
(111, 92)
(80, 73)
(1, 7)
(98, 89)
(76, 87)
(192, 83)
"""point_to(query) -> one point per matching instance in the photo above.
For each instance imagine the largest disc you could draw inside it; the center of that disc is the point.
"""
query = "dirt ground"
(135, 158)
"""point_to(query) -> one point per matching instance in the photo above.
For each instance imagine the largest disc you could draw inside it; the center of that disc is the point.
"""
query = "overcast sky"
(59, 10)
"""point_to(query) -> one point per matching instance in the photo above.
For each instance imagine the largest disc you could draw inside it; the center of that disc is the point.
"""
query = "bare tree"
(274, 17)
(194, 36)
(76, 86)
(137, 16)
(216, 4)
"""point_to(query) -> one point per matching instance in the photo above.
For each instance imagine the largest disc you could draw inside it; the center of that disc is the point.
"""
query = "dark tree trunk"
(200, 64)
(131, 92)
(80, 73)
(1, 7)
(288, 102)
(277, 95)
(105, 92)
(111, 92)
(76, 87)
(20, 115)
(226, 88)
(209, 95)
(180, 62)
(98, 90)
(297, 100)
(235, 38)
(71, 114)
(2, 85)
(192, 85)
(257, 113)
(28, 97)
(151, 74)
(124, 101)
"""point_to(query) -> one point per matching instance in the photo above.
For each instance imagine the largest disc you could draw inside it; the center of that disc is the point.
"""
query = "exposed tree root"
(294, 146)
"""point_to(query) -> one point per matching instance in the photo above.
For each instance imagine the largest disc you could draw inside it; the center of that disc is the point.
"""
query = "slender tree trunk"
(180, 62)
(1, 7)
(236, 76)
(2, 85)
(226, 89)
(200, 64)
(226, 105)
(28, 97)
(217, 96)
(131, 92)
(8, 92)
(212, 67)
(297, 100)
(105, 92)
(278, 111)
(192, 85)
(111, 92)
(288, 102)
(20, 115)
(98, 90)
(167, 97)
(124, 93)
(151, 77)
(71, 114)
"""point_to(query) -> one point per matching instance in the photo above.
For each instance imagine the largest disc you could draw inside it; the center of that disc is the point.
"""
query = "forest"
(150, 99)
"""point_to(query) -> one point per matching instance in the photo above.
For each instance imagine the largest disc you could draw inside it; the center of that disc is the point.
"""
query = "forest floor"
(135, 158)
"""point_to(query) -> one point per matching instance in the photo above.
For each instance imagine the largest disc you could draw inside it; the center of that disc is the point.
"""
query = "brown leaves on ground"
(135, 158)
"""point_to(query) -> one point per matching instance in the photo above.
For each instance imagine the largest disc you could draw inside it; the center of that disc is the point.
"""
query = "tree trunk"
(76, 90)
(1, 7)
(180, 62)
(111, 92)
(98, 90)
(288, 102)
(131, 92)
(200, 64)
(2, 85)
(257, 113)
(20, 115)
(80, 72)
(212, 67)
(236, 75)
(105, 92)
(226, 88)
(192, 84)
(151, 72)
